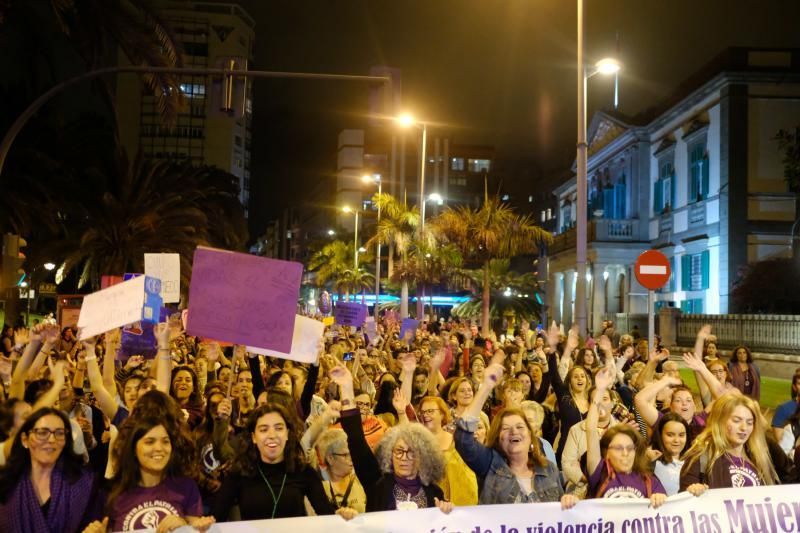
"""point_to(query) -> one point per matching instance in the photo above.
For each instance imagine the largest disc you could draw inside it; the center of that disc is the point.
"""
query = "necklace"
(275, 499)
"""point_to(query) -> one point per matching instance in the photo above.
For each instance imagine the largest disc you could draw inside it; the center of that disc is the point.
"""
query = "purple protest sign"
(350, 314)
(243, 299)
(139, 339)
(409, 325)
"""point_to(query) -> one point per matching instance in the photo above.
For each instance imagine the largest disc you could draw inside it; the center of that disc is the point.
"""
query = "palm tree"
(493, 231)
(432, 265)
(398, 226)
(512, 294)
(331, 261)
(143, 207)
(355, 281)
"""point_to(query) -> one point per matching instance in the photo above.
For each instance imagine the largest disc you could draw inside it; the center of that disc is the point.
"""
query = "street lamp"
(376, 178)
(347, 209)
(604, 66)
(49, 266)
(406, 121)
(331, 232)
(437, 198)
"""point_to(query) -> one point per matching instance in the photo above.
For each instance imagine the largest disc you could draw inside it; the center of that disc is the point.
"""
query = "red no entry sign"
(652, 269)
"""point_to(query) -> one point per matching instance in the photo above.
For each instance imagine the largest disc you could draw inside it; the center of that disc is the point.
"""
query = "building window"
(694, 271)
(479, 165)
(237, 140)
(193, 90)
(530, 199)
(664, 188)
(693, 306)
(457, 181)
(566, 216)
(544, 216)
(549, 213)
(698, 172)
(457, 163)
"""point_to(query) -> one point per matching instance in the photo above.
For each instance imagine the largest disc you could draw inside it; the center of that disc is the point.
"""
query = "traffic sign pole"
(651, 320)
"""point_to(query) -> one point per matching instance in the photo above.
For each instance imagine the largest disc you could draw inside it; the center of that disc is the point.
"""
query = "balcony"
(599, 230)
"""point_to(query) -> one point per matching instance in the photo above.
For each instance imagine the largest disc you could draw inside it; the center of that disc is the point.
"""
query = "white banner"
(115, 306)
(752, 510)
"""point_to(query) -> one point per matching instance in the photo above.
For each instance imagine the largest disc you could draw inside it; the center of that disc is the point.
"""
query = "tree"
(398, 226)
(512, 294)
(331, 261)
(355, 281)
(493, 231)
(759, 291)
(789, 144)
(147, 206)
(432, 264)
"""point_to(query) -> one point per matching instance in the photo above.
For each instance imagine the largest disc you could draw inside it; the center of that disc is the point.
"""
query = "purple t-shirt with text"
(623, 485)
(144, 508)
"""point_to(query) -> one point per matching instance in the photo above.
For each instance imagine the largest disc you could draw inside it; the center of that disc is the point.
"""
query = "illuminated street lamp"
(347, 209)
(331, 232)
(49, 266)
(406, 121)
(376, 178)
(604, 66)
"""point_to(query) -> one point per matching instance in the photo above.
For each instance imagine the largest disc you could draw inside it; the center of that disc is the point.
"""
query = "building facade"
(700, 179)
(212, 35)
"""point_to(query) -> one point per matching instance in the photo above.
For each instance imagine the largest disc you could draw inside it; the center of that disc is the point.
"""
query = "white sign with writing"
(114, 307)
(306, 337)
(167, 268)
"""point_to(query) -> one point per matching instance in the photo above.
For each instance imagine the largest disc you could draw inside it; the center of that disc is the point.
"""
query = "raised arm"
(649, 371)
(163, 357)
(569, 348)
(603, 380)
(645, 398)
(105, 399)
(113, 340)
(57, 373)
(710, 387)
(34, 340)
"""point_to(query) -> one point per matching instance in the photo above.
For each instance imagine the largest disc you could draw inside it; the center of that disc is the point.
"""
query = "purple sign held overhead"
(139, 339)
(409, 326)
(243, 299)
(350, 314)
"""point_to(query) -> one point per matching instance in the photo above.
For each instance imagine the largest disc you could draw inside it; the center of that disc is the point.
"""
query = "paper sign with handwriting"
(350, 314)
(307, 333)
(243, 299)
(167, 268)
(119, 305)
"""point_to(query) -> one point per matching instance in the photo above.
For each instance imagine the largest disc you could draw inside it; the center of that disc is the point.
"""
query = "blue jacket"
(496, 481)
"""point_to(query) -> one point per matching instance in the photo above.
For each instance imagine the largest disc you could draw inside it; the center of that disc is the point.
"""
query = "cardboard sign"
(132, 301)
(350, 314)
(138, 338)
(167, 268)
(243, 299)
(410, 325)
(306, 336)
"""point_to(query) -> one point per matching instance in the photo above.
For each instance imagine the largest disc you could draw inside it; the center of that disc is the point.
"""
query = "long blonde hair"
(713, 443)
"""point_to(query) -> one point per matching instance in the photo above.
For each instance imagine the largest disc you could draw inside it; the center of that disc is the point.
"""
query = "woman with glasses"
(44, 486)
(342, 487)
(617, 462)
(459, 483)
(402, 473)
(511, 467)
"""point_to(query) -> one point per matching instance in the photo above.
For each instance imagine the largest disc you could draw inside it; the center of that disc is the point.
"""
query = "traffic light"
(11, 272)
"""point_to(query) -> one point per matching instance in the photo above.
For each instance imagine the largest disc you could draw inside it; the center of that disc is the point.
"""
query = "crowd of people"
(94, 441)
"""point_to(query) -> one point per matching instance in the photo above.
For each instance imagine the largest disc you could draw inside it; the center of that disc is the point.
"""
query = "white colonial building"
(700, 179)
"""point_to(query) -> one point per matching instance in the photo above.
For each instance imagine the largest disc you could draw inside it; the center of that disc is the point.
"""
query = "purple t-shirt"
(144, 508)
(742, 473)
(623, 485)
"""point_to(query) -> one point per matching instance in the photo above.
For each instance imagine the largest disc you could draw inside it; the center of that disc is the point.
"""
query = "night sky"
(499, 72)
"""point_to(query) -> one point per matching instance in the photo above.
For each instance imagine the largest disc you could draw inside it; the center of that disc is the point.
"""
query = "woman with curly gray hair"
(406, 464)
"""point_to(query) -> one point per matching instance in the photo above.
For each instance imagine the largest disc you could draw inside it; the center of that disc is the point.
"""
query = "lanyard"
(345, 496)
(275, 499)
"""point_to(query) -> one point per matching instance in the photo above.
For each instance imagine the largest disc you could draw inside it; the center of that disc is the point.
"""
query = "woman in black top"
(270, 478)
(406, 464)
(573, 401)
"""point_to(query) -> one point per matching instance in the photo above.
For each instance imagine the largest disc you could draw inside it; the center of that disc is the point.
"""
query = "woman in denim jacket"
(510, 468)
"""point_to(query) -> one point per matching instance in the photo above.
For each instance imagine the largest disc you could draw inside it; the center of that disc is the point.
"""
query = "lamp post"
(376, 178)
(604, 66)
(348, 209)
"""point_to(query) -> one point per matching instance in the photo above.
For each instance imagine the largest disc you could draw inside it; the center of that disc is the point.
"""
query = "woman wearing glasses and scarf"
(403, 471)
(44, 486)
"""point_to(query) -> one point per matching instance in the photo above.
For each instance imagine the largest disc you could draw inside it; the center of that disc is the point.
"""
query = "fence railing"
(624, 322)
(778, 334)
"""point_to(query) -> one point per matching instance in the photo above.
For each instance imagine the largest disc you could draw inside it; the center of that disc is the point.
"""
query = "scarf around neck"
(68, 501)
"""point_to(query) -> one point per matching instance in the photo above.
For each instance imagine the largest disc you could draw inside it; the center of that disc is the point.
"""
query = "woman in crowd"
(540, 383)
(155, 458)
(402, 474)
(588, 360)
(269, 477)
(535, 415)
(185, 391)
(512, 470)
(459, 483)
(745, 375)
(617, 462)
(44, 486)
(13, 413)
(342, 487)
(669, 442)
(572, 396)
(459, 397)
(732, 450)
(212, 440)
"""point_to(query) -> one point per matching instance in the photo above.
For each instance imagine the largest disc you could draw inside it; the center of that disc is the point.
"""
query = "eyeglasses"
(622, 449)
(429, 412)
(43, 434)
(364, 405)
(400, 453)
(341, 456)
